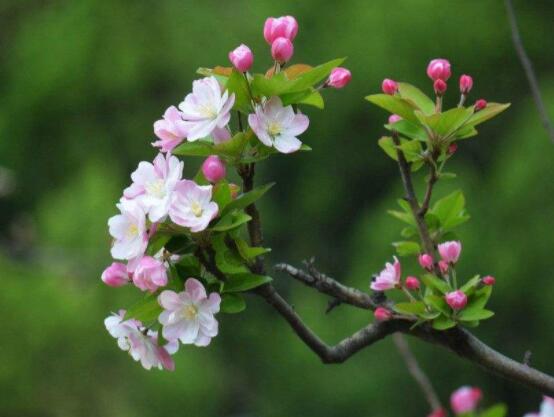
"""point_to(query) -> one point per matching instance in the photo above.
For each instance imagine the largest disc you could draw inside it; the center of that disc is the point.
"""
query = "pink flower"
(466, 84)
(450, 251)
(339, 77)
(439, 69)
(388, 278)
(171, 130)
(206, 109)
(443, 267)
(116, 275)
(426, 261)
(282, 50)
(213, 169)
(141, 344)
(382, 314)
(150, 274)
(189, 316)
(192, 206)
(278, 126)
(480, 104)
(393, 118)
(456, 299)
(440, 87)
(465, 399)
(153, 185)
(221, 135)
(389, 86)
(241, 58)
(280, 27)
(412, 283)
(489, 280)
(128, 230)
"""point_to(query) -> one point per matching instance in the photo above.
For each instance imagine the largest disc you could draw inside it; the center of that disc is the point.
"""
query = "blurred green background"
(81, 83)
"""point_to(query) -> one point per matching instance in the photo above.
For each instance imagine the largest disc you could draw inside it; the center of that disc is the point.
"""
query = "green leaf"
(438, 304)
(244, 282)
(445, 124)
(180, 244)
(238, 86)
(492, 110)
(416, 308)
(231, 221)
(234, 146)
(451, 210)
(405, 216)
(436, 283)
(478, 300)
(146, 310)
(409, 129)
(196, 148)
(248, 252)
(443, 323)
(418, 97)
(395, 105)
(386, 143)
(188, 266)
(407, 248)
(232, 303)
(466, 132)
(471, 284)
(227, 260)
(412, 149)
(248, 198)
(497, 410)
(222, 194)
(315, 75)
(309, 97)
(475, 315)
(157, 242)
(408, 232)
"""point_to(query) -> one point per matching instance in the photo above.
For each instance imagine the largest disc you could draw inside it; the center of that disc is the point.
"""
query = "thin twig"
(529, 72)
(433, 177)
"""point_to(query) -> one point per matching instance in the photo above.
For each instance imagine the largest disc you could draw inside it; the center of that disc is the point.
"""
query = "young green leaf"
(498, 410)
(244, 282)
(416, 308)
(407, 248)
(438, 284)
(395, 105)
(232, 303)
(248, 198)
(492, 110)
(197, 148)
(146, 310)
(475, 315)
(418, 97)
(231, 221)
(237, 85)
(443, 323)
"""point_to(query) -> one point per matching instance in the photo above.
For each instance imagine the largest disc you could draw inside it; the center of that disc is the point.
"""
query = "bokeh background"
(81, 83)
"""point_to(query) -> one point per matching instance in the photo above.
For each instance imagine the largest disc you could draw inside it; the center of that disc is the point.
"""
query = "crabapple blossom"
(220, 135)
(412, 283)
(465, 399)
(456, 299)
(150, 274)
(443, 266)
(192, 206)
(450, 251)
(242, 58)
(153, 185)
(480, 104)
(382, 314)
(440, 87)
(488, 280)
(425, 261)
(466, 84)
(213, 169)
(389, 86)
(128, 230)
(282, 50)
(546, 410)
(388, 278)
(452, 148)
(439, 69)
(171, 130)
(116, 275)
(206, 109)
(280, 27)
(338, 78)
(278, 126)
(141, 344)
(188, 316)
(393, 118)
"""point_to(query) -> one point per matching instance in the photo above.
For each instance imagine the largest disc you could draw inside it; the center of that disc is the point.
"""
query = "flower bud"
(466, 83)
(440, 87)
(282, 50)
(150, 274)
(426, 261)
(480, 104)
(412, 283)
(456, 299)
(213, 169)
(339, 77)
(488, 280)
(382, 314)
(389, 86)
(280, 27)
(393, 118)
(443, 267)
(242, 58)
(439, 69)
(116, 275)
(452, 148)
(465, 399)
(450, 251)
(439, 412)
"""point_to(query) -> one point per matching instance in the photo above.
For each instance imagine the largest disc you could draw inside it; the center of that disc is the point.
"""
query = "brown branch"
(529, 72)
(433, 177)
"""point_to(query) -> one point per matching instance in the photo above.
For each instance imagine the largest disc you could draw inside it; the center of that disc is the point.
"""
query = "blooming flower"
(150, 274)
(450, 251)
(116, 275)
(192, 206)
(128, 230)
(547, 408)
(188, 316)
(153, 185)
(280, 27)
(465, 399)
(142, 345)
(171, 130)
(439, 69)
(388, 278)
(278, 126)
(206, 109)
(456, 299)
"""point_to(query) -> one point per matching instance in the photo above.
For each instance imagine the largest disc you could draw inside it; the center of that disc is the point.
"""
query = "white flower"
(278, 126)
(153, 184)
(141, 344)
(128, 230)
(206, 109)
(192, 206)
(189, 315)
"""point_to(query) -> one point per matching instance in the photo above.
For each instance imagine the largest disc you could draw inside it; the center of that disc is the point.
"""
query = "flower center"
(156, 188)
(190, 312)
(208, 111)
(196, 209)
(132, 231)
(274, 128)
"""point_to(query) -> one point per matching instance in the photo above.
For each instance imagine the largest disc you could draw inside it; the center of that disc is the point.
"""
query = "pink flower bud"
(440, 87)
(450, 251)
(280, 27)
(150, 274)
(412, 283)
(389, 86)
(426, 261)
(439, 412)
(443, 267)
(452, 148)
(488, 280)
(456, 299)
(242, 58)
(213, 169)
(393, 118)
(466, 84)
(382, 314)
(116, 275)
(339, 77)
(282, 50)
(480, 104)
(465, 399)
(439, 69)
